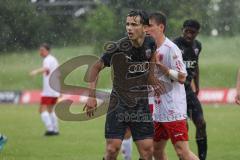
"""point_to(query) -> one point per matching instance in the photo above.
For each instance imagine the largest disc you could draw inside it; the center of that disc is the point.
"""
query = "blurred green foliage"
(22, 26)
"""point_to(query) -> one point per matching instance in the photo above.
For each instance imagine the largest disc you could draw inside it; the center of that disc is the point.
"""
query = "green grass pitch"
(85, 140)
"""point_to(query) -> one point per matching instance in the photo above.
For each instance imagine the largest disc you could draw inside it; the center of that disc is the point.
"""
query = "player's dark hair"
(46, 46)
(142, 14)
(192, 23)
(160, 18)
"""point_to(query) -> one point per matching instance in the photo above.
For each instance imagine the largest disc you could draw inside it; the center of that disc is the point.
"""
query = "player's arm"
(196, 80)
(153, 80)
(176, 73)
(91, 104)
(172, 73)
(196, 77)
(237, 99)
(39, 71)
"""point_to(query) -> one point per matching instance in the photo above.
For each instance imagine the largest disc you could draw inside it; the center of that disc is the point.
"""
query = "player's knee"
(201, 128)
(159, 153)
(158, 150)
(182, 151)
(42, 109)
(147, 152)
(201, 124)
(112, 151)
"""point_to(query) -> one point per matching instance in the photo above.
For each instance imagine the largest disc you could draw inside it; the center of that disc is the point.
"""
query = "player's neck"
(160, 40)
(46, 55)
(138, 42)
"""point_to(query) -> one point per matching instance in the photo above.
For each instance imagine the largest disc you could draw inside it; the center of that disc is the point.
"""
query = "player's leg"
(183, 151)
(200, 124)
(178, 133)
(159, 150)
(53, 116)
(54, 119)
(142, 129)
(160, 140)
(142, 133)
(115, 129)
(126, 147)
(3, 141)
(145, 148)
(45, 116)
(112, 149)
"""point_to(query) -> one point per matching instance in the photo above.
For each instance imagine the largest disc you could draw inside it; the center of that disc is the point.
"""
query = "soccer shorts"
(120, 117)
(48, 101)
(176, 131)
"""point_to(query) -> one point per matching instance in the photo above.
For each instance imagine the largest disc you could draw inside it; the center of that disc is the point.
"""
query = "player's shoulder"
(178, 40)
(170, 44)
(120, 45)
(172, 47)
(149, 40)
(50, 58)
(198, 43)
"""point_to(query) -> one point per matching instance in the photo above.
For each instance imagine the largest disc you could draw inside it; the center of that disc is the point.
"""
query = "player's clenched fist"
(90, 106)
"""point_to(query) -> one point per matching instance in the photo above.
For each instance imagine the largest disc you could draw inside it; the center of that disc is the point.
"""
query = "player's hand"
(33, 73)
(237, 99)
(158, 87)
(197, 91)
(91, 106)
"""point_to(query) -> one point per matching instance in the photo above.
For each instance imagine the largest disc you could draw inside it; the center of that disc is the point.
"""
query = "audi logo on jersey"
(190, 64)
(138, 68)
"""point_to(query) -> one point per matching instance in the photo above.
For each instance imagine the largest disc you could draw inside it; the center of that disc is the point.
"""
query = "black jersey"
(190, 54)
(131, 68)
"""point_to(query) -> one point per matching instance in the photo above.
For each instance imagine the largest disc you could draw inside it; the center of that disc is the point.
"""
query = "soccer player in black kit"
(128, 106)
(191, 49)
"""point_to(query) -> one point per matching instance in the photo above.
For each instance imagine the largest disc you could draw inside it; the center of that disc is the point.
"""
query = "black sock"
(202, 148)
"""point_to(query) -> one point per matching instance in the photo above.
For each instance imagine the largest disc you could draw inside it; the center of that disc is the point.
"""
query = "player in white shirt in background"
(49, 96)
(169, 111)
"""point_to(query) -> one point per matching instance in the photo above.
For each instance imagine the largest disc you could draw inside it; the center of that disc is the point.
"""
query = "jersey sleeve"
(106, 58)
(177, 60)
(151, 46)
(47, 63)
(176, 41)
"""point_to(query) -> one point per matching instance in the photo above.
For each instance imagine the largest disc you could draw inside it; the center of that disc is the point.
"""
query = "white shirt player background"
(170, 106)
(51, 64)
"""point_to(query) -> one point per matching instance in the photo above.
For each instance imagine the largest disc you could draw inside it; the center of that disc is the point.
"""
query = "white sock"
(54, 121)
(47, 120)
(126, 149)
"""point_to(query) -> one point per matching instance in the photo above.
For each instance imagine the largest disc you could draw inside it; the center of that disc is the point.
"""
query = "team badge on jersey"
(182, 51)
(148, 53)
(196, 50)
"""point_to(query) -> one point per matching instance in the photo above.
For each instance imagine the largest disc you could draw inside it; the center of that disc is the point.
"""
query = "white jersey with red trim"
(50, 63)
(170, 106)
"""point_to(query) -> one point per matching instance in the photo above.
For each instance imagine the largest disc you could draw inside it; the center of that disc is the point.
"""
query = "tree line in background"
(22, 26)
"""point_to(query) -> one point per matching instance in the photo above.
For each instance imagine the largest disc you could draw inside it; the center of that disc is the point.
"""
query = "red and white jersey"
(51, 63)
(170, 106)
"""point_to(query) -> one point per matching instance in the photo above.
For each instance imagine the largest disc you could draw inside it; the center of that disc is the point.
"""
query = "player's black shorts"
(120, 117)
(194, 107)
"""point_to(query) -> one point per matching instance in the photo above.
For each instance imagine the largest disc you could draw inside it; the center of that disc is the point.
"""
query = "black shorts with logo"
(120, 116)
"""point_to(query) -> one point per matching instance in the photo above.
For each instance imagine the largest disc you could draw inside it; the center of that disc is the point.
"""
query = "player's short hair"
(191, 23)
(46, 46)
(142, 14)
(160, 18)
